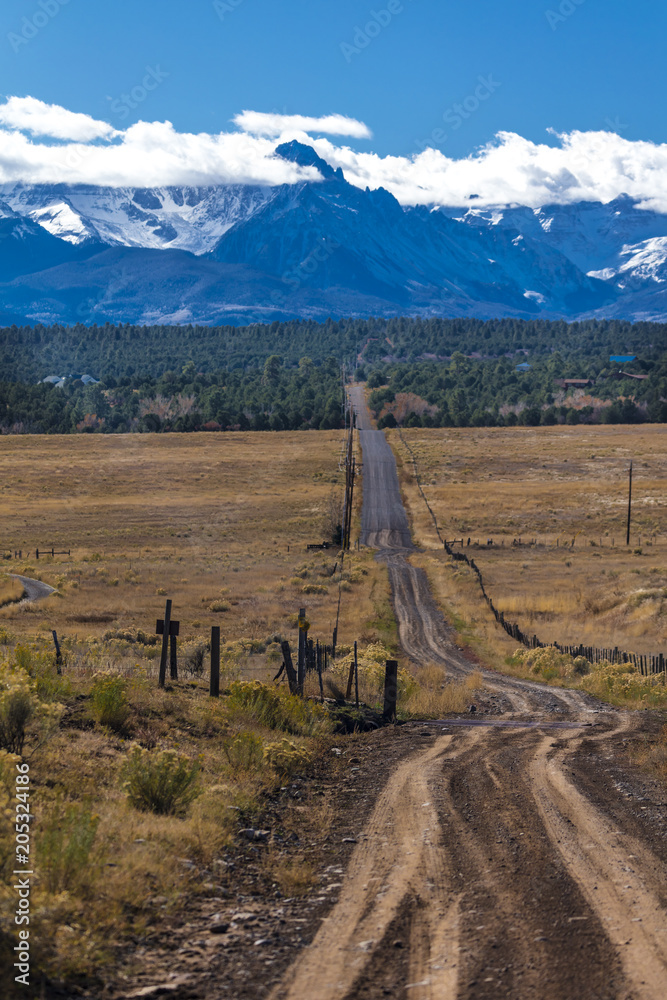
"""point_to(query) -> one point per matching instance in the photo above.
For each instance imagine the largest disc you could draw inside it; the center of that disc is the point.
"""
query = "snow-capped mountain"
(183, 218)
(618, 243)
(240, 254)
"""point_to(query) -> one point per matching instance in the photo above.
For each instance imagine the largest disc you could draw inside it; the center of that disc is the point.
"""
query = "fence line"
(644, 664)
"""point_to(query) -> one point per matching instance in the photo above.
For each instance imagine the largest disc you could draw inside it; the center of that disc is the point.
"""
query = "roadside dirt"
(518, 854)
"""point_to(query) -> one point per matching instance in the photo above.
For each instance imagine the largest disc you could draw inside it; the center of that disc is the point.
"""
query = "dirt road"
(35, 590)
(499, 859)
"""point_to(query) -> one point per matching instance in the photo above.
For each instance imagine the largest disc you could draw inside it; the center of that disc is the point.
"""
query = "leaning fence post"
(356, 676)
(319, 670)
(390, 689)
(214, 686)
(292, 678)
(59, 655)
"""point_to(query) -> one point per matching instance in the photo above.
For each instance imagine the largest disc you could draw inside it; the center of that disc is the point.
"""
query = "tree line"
(274, 397)
(29, 353)
(468, 392)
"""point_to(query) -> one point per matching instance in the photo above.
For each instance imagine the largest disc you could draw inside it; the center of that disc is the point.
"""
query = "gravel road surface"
(35, 590)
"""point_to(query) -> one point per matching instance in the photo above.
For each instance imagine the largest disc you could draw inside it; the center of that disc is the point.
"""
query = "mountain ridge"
(235, 253)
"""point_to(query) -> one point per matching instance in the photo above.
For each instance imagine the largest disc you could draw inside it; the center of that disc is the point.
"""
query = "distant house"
(523, 368)
(59, 381)
(622, 359)
(574, 383)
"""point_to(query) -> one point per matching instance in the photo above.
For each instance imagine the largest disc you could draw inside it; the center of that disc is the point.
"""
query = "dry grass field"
(566, 488)
(218, 523)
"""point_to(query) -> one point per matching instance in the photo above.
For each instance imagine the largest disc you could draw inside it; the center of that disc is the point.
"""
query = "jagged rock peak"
(305, 156)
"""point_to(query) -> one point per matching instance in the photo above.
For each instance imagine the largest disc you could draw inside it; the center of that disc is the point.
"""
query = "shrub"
(372, 667)
(313, 588)
(286, 757)
(65, 839)
(193, 658)
(276, 709)
(219, 606)
(244, 752)
(550, 664)
(162, 782)
(8, 762)
(109, 698)
(21, 709)
(133, 635)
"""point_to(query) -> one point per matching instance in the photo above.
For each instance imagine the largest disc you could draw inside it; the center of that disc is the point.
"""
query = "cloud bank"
(258, 123)
(47, 144)
(27, 114)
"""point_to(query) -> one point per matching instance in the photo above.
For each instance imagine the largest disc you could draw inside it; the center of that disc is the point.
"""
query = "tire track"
(619, 876)
(399, 860)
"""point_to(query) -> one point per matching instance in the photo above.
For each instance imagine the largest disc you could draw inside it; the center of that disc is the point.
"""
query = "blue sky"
(598, 64)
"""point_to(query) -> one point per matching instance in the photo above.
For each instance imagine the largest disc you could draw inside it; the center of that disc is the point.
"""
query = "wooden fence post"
(214, 686)
(319, 670)
(356, 676)
(390, 689)
(173, 661)
(301, 662)
(59, 655)
(165, 643)
(292, 678)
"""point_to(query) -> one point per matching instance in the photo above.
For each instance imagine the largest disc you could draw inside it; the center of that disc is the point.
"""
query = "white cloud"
(584, 166)
(591, 166)
(30, 115)
(274, 125)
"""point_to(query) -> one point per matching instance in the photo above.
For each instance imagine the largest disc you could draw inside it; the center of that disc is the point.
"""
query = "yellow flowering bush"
(275, 708)
(8, 762)
(623, 681)
(287, 757)
(372, 661)
(22, 712)
(109, 700)
(550, 664)
(243, 752)
(163, 781)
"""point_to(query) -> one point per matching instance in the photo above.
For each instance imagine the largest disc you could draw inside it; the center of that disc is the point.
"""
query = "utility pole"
(627, 537)
(349, 485)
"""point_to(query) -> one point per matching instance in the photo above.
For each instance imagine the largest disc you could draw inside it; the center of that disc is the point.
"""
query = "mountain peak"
(305, 156)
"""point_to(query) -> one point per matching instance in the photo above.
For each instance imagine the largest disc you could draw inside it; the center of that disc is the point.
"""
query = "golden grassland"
(11, 591)
(565, 488)
(211, 521)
